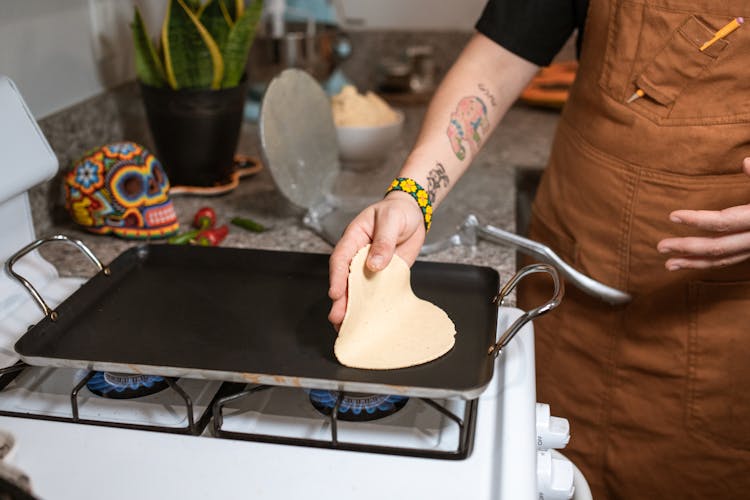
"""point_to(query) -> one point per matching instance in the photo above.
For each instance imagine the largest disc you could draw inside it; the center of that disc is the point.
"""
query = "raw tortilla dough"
(386, 326)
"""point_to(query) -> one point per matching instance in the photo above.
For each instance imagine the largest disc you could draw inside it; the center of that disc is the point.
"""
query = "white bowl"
(365, 145)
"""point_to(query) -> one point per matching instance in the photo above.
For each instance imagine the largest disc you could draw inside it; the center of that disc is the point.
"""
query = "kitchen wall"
(451, 15)
(61, 52)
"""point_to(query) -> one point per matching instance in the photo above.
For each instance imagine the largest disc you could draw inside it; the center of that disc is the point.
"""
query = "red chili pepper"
(212, 237)
(204, 218)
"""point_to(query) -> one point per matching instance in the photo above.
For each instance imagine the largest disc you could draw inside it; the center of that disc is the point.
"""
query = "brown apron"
(658, 391)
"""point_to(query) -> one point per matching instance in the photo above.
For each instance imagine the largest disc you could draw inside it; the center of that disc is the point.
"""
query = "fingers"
(388, 227)
(338, 309)
(701, 263)
(355, 237)
(721, 221)
(719, 247)
(395, 222)
(702, 253)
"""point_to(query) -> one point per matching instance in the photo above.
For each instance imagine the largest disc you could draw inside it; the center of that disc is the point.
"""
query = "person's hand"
(394, 224)
(731, 244)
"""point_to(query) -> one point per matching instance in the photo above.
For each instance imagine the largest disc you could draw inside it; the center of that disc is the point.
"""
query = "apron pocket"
(718, 402)
(655, 46)
(563, 245)
(677, 64)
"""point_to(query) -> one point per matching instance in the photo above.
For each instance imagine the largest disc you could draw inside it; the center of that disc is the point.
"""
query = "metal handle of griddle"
(519, 323)
(36, 244)
(472, 228)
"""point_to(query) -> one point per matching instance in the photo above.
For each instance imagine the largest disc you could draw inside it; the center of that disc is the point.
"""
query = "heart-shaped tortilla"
(386, 326)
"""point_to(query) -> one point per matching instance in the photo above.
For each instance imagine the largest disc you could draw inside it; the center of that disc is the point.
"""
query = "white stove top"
(67, 460)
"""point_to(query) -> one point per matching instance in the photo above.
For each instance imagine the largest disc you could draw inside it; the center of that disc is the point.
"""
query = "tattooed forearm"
(466, 122)
(487, 94)
(436, 179)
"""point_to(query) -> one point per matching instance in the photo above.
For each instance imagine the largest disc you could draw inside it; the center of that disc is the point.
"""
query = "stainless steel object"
(513, 329)
(316, 48)
(36, 244)
(471, 230)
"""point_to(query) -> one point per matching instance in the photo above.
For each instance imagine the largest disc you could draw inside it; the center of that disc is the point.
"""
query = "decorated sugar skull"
(122, 189)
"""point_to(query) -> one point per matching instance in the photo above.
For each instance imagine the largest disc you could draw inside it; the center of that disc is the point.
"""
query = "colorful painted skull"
(122, 189)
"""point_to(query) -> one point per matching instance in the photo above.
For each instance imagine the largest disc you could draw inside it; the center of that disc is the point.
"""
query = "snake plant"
(201, 45)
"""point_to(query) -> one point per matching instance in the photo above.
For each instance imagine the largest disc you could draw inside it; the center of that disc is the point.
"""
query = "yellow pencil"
(730, 27)
(636, 95)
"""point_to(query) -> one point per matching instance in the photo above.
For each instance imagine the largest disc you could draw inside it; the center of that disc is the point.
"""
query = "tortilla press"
(299, 146)
(300, 149)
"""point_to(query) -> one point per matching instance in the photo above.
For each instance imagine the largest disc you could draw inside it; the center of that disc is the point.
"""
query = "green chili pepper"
(184, 238)
(248, 224)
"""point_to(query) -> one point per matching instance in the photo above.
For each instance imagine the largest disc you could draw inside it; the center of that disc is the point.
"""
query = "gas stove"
(79, 434)
(273, 442)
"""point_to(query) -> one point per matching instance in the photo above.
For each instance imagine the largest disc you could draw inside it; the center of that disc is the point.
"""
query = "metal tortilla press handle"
(472, 228)
(519, 323)
(36, 244)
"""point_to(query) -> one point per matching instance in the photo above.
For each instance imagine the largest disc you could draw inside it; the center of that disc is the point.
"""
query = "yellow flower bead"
(422, 198)
(408, 185)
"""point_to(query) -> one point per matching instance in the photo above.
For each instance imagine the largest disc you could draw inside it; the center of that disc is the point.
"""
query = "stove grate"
(465, 424)
(193, 427)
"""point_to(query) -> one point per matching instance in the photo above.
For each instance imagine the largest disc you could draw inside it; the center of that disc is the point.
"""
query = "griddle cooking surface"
(251, 311)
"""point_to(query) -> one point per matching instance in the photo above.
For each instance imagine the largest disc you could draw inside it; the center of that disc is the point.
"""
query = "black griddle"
(253, 316)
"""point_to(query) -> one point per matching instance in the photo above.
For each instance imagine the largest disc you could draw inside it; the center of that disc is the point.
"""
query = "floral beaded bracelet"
(410, 186)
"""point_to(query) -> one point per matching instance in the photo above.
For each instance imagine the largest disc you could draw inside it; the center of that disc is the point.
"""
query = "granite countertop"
(487, 190)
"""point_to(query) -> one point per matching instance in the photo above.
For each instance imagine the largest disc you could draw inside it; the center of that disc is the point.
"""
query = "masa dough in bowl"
(352, 109)
(386, 326)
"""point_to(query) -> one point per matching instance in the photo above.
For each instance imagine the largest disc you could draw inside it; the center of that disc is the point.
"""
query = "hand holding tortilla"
(386, 326)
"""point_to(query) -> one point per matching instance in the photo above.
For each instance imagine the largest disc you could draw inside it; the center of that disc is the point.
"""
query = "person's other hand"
(394, 224)
(731, 244)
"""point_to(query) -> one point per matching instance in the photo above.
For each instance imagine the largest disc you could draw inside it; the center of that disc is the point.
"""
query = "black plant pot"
(195, 131)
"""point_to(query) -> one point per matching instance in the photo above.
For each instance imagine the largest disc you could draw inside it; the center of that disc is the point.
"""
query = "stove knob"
(554, 477)
(551, 432)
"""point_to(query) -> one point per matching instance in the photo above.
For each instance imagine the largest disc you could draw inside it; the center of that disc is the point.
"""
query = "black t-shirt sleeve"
(535, 30)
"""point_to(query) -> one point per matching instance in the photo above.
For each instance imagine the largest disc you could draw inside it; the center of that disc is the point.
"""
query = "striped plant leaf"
(235, 8)
(193, 5)
(191, 57)
(214, 16)
(148, 66)
(226, 13)
(238, 44)
(239, 8)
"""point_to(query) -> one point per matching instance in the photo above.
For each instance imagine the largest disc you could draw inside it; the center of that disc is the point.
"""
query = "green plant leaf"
(193, 5)
(212, 16)
(191, 57)
(235, 8)
(226, 13)
(238, 44)
(148, 66)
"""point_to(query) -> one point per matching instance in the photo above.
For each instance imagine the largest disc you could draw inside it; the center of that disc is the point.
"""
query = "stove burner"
(356, 407)
(125, 386)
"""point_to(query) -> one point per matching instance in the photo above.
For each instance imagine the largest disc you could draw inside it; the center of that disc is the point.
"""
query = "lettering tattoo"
(436, 178)
(488, 94)
(466, 123)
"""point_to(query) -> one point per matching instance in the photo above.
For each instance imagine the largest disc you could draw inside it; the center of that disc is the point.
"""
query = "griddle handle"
(36, 244)
(519, 323)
